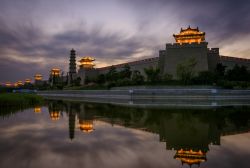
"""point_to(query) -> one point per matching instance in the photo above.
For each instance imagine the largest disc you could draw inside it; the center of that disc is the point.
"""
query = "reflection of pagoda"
(189, 136)
(54, 111)
(190, 157)
(72, 119)
(37, 110)
(86, 120)
(54, 115)
(190, 35)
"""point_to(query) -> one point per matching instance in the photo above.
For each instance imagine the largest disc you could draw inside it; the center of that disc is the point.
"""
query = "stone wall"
(230, 62)
(136, 65)
(178, 53)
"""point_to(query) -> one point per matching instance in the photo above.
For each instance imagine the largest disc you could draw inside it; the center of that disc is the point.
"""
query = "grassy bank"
(19, 99)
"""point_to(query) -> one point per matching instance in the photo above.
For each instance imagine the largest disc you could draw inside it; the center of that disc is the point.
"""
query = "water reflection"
(37, 109)
(188, 133)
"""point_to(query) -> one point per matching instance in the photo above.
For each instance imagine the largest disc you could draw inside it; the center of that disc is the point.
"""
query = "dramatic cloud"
(38, 35)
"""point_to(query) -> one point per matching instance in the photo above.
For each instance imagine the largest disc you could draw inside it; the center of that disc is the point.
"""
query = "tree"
(153, 75)
(101, 79)
(238, 73)
(185, 70)
(205, 77)
(112, 75)
(137, 78)
(220, 71)
(167, 77)
(125, 72)
(77, 81)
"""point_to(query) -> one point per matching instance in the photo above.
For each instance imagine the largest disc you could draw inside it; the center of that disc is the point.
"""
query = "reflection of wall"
(187, 133)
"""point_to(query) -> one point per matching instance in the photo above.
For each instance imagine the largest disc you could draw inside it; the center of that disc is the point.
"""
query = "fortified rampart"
(230, 62)
(177, 53)
(135, 65)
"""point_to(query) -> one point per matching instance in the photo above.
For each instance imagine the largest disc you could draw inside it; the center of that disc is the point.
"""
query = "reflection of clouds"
(30, 140)
(233, 152)
(47, 145)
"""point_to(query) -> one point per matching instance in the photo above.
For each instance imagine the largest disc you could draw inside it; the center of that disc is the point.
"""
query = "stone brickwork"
(178, 53)
(230, 62)
(136, 65)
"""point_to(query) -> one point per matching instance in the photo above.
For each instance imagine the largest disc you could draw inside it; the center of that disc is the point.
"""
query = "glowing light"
(8, 84)
(54, 115)
(190, 35)
(87, 62)
(38, 77)
(55, 72)
(86, 125)
(27, 81)
(19, 83)
(190, 157)
(37, 110)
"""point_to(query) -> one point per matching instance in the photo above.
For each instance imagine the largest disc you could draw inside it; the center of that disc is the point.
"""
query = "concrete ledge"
(157, 97)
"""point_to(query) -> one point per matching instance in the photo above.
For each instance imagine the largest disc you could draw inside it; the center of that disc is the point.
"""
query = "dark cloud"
(31, 43)
(24, 33)
(223, 19)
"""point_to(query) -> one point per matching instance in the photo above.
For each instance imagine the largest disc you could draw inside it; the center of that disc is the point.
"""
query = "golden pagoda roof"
(190, 35)
(55, 69)
(19, 82)
(38, 75)
(8, 84)
(27, 80)
(87, 58)
(87, 62)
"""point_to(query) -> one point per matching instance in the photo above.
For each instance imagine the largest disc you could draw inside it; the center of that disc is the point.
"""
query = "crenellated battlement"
(154, 59)
(228, 58)
(213, 50)
(186, 45)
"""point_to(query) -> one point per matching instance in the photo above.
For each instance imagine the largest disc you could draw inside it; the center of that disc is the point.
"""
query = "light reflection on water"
(71, 134)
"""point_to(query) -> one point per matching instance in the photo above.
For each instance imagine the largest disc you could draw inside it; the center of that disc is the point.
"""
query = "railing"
(157, 97)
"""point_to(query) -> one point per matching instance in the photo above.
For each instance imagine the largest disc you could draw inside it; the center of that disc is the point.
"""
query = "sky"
(37, 35)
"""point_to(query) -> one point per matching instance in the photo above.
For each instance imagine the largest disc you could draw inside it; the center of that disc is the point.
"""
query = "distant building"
(190, 43)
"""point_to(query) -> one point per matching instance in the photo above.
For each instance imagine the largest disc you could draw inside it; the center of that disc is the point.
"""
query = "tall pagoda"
(190, 35)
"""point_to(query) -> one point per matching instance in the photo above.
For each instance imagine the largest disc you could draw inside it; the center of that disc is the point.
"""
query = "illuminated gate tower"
(86, 69)
(54, 75)
(190, 44)
(190, 35)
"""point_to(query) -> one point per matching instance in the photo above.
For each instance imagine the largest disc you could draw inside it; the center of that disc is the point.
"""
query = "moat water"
(70, 134)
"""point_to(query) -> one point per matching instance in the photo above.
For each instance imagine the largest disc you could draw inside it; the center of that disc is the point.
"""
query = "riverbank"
(19, 99)
(175, 97)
